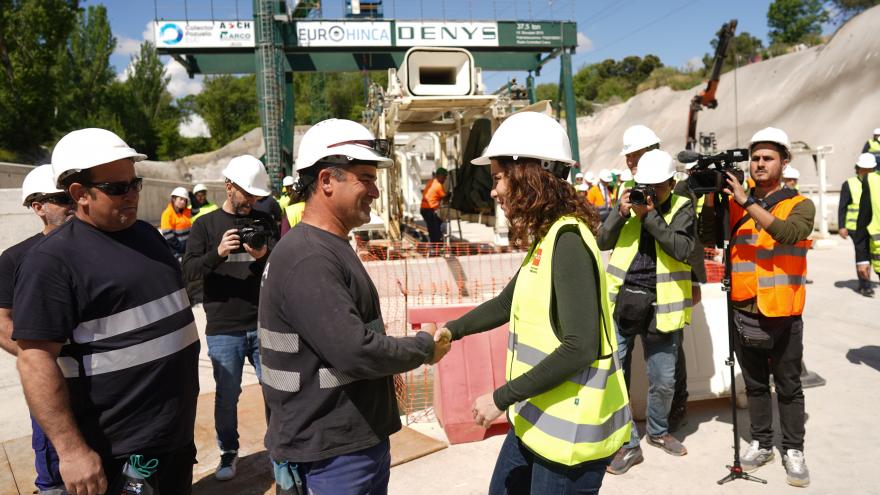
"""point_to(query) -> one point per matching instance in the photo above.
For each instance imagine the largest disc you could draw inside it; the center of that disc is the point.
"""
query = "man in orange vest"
(600, 194)
(768, 251)
(176, 222)
(432, 195)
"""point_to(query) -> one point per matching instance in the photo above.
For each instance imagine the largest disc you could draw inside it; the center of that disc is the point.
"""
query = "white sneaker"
(755, 457)
(796, 472)
(226, 469)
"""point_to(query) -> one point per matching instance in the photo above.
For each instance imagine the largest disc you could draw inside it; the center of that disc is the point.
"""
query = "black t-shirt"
(327, 364)
(231, 284)
(130, 355)
(9, 262)
(269, 206)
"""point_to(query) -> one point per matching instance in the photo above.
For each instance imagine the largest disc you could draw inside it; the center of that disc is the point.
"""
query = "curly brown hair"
(537, 198)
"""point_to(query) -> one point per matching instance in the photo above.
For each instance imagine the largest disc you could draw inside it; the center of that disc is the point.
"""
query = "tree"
(796, 21)
(547, 91)
(229, 106)
(150, 103)
(743, 46)
(848, 8)
(32, 34)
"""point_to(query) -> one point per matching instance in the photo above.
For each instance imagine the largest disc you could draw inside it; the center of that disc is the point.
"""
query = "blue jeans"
(365, 472)
(228, 353)
(45, 460)
(519, 471)
(661, 353)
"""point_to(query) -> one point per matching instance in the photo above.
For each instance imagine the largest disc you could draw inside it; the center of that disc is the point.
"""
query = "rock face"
(826, 95)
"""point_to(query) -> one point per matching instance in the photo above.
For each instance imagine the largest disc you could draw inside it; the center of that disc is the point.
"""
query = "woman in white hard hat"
(565, 396)
(176, 222)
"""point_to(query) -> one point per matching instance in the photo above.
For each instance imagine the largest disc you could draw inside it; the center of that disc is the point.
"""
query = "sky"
(678, 31)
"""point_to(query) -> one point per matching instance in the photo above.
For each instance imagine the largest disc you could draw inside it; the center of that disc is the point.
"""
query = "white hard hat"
(38, 182)
(877, 131)
(772, 135)
(605, 175)
(578, 175)
(638, 137)
(655, 167)
(528, 135)
(342, 138)
(287, 181)
(626, 175)
(180, 192)
(248, 173)
(590, 176)
(790, 172)
(866, 160)
(87, 148)
(199, 188)
(582, 187)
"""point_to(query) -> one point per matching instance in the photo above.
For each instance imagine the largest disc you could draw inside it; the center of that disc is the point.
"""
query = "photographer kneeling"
(229, 248)
(649, 284)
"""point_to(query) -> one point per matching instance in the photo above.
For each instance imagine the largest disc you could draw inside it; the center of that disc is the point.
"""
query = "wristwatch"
(749, 201)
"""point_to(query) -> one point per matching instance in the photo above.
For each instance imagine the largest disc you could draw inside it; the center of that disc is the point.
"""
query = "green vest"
(873, 146)
(205, 209)
(587, 417)
(295, 213)
(852, 209)
(674, 288)
(874, 226)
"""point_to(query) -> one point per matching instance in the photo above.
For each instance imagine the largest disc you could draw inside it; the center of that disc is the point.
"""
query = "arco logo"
(170, 34)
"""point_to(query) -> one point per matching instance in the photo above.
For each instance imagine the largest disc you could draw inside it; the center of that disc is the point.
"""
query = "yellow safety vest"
(284, 201)
(295, 213)
(674, 288)
(586, 417)
(874, 226)
(205, 209)
(873, 146)
(852, 209)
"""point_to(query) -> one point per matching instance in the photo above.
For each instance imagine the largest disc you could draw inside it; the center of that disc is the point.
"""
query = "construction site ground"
(842, 344)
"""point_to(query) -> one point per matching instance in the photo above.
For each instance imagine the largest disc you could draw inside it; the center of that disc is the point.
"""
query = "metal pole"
(567, 89)
(530, 87)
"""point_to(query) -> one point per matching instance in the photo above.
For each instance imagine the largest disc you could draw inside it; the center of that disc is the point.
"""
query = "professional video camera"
(253, 231)
(639, 194)
(708, 175)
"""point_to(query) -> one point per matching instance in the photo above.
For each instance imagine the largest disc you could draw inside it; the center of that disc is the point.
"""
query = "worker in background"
(637, 140)
(565, 426)
(869, 216)
(328, 365)
(230, 263)
(790, 177)
(649, 284)
(294, 211)
(847, 221)
(770, 226)
(201, 204)
(625, 177)
(599, 195)
(269, 205)
(176, 222)
(286, 192)
(578, 181)
(54, 207)
(432, 196)
(109, 348)
(872, 146)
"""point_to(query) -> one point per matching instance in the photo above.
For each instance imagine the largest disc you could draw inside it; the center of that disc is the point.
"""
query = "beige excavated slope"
(826, 95)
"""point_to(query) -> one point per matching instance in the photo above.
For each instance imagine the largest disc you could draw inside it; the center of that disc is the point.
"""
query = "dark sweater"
(574, 317)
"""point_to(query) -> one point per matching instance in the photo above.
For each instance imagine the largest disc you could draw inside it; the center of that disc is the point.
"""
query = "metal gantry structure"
(278, 42)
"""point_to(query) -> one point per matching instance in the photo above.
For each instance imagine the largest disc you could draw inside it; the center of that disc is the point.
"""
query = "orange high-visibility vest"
(762, 268)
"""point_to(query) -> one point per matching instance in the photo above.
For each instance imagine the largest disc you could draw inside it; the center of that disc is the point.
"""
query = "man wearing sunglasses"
(108, 344)
(54, 207)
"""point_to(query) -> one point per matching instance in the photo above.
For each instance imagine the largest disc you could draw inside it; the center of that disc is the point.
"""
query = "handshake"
(442, 341)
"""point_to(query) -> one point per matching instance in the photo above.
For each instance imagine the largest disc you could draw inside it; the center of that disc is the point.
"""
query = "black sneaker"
(226, 469)
(624, 459)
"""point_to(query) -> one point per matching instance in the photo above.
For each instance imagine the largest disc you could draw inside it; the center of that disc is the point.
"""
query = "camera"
(639, 194)
(253, 231)
(709, 174)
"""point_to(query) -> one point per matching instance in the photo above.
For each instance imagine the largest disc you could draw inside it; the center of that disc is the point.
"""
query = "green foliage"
(796, 21)
(672, 77)
(848, 8)
(229, 106)
(611, 80)
(547, 91)
(319, 96)
(743, 48)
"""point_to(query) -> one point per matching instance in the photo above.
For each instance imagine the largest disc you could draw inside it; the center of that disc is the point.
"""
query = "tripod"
(722, 219)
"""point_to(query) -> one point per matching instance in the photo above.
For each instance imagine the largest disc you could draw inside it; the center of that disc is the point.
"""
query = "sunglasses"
(118, 188)
(61, 199)
(381, 146)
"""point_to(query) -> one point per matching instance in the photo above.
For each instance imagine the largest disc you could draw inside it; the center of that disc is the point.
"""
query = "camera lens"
(637, 197)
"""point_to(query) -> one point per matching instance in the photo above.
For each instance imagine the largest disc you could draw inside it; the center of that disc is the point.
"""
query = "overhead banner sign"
(531, 34)
(437, 33)
(329, 33)
(204, 34)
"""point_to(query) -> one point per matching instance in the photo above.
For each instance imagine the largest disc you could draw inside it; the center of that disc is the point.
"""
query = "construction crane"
(706, 98)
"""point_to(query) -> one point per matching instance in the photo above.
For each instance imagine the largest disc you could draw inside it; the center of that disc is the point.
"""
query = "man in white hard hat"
(201, 204)
(227, 250)
(578, 179)
(637, 140)
(869, 216)
(327, 363)
(790, 177)
(108, 344)
(176, 222)
(286, 192)
(53, 206)
(872, 146)
(770, 226)
(649, 284)
(847, 220)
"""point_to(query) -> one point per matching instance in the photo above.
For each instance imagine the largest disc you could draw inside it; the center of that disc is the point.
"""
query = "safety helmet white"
(772, 135)
(877, 131)
(605, 175)
(249, 174)
(638, 137)
(199, 188)
(287, 181)
(626, 175)
(86, 148)
(655, 167)
(589, 177)
(866, 160)
(345, 141)
(578, 175)
(180, 192)
(790, 172)
(38, 182)
(529, 135)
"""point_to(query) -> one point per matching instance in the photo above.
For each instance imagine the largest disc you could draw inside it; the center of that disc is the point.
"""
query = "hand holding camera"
(229, 243)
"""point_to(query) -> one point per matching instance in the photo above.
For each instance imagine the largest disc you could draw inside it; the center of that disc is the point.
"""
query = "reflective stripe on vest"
(852, 209)
(674, 287)
(294, 213)
(873, 182)
(762, 268)
(586, 417)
